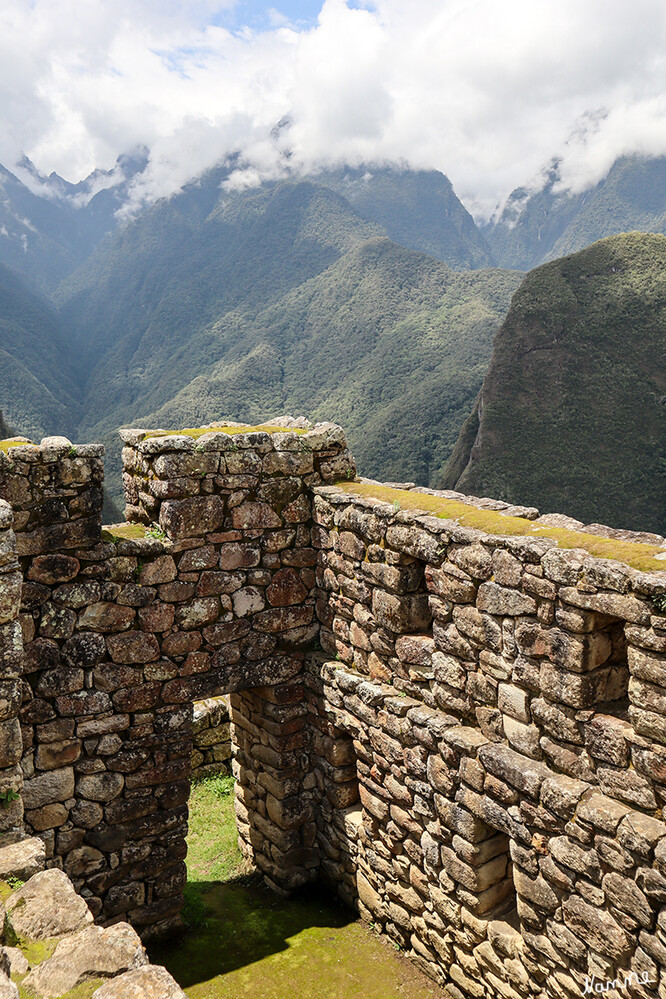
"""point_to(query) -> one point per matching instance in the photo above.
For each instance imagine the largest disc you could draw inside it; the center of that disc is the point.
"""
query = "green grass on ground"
(244, 942)
(636, 554)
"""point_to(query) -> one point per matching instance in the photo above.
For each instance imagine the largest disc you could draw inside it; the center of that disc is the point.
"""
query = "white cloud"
(485, 91)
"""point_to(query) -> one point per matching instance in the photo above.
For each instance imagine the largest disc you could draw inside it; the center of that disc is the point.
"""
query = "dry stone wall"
(464, 734)
(211, 738)
(503, 702)
(123, 634)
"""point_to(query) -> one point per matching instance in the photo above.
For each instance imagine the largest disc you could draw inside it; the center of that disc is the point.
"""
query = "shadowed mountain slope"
(38, 391)
(572, 413)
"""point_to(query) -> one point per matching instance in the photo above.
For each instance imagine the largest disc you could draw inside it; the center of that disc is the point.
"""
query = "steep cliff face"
(38, 392)
(572, 412)
(549, 223)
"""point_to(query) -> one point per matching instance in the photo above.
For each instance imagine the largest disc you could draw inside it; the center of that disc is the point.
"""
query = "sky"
(486, 91)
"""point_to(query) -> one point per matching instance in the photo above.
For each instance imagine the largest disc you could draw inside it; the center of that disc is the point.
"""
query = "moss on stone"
(638, 555)
(124, 532)
(12, 442)
(83, 991)
(196, 432)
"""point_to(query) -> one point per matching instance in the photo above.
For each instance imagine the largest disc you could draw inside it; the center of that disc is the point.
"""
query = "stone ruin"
(462, 733)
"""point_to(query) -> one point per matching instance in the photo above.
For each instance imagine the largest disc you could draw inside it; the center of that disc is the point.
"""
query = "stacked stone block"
(211, 737)
(56, 492)
(502, 699)
(123, 634)
(11, 665)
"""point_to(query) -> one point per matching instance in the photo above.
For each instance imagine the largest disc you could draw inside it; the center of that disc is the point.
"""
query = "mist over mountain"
(550, 223)
(217, 304)
(572, 413)
(38, 389)
(48, 226)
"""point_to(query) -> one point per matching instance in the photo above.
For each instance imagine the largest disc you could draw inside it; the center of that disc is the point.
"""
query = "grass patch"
(244, 941)
(125, 532)
(196, 432)
(212, 845)
(5, 445)
(635, 554)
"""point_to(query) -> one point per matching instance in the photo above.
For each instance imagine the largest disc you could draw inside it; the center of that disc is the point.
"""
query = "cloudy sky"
(486, 91)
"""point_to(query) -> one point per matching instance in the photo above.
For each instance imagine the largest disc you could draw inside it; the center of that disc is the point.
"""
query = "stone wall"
(211, 738)
(464, 734)
(122, 634)
(503, 702)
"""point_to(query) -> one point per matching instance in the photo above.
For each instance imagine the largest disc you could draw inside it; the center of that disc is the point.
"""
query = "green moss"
(639, 556)
(124, 532)
(200, 431)
(84, 991)
(5, 890)
(5, 445)
(246, 942)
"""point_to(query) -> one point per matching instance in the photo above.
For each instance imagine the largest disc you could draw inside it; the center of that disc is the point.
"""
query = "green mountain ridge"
(572, 413)
(38, 391)
(282, 298)
(551, 223)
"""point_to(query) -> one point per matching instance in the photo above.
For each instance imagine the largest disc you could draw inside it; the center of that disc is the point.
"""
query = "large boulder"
(94, 952)
(47, 906)
(23, 859)
(152, 982)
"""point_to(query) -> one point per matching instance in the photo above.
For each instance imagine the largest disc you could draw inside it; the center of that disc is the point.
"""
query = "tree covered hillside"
(417, 208)
(215, 305)
(551, 223)
(38, 390)
(572, 413)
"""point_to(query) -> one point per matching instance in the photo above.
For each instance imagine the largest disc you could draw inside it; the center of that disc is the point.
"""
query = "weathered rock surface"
(47, 906)
(152, 982)
(93, 952)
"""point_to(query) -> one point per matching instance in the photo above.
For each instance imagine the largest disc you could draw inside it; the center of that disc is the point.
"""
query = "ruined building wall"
(122, 634)
(211, 738)
(503, 704)
(464, 734)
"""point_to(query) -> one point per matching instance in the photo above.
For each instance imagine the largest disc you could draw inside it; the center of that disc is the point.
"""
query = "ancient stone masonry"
(504, 703)
(462, 732)
(122, 634)
(211, 737)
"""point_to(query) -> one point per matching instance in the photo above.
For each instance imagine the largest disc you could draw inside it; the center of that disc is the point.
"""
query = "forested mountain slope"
(550, 223)
(417, 208)
(215, 305)
(572, 413)
(38, 390)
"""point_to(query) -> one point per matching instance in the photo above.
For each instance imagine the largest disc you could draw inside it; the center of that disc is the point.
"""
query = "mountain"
(550, 223)
(416, 208)
(217, 304)
(572, 413)
(48, 227)
(38, 390)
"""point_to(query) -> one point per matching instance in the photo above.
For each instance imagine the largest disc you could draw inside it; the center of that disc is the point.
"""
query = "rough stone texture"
(47, 906)
(476, 760)
(211, 736)
(145, 983)
(91, 953)
(22, 859)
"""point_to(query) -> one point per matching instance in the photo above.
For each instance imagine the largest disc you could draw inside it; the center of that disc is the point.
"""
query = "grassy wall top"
(12, 442)
(200, 431)
(638, 555)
